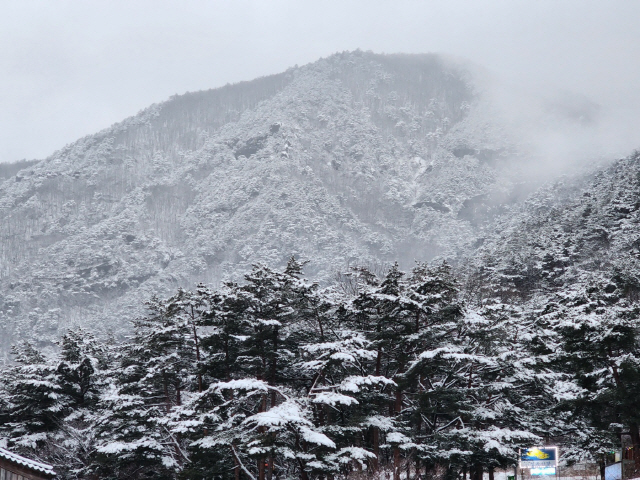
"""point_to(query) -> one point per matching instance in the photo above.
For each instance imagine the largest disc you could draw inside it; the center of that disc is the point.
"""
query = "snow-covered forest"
(305, 351)
(337, 161)
(276, 377)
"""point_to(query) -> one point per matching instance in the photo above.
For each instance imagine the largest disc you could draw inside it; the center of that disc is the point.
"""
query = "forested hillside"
(355, 159)
(451, 310)
(578, 233)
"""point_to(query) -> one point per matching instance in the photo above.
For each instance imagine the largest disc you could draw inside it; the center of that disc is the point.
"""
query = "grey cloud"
(71, 68)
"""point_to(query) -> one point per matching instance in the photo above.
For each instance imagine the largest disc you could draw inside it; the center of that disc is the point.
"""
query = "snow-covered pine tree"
(256, 402)
(34, 404)
(345, 397)
(393, 314)
(599, 340)
(155, 368)
(501, 394)
(433, 374)
(50, 409)
(83, 369)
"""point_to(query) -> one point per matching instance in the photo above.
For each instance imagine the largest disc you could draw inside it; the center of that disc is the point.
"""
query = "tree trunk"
(476, 472)
(376, 447)
(417, 458)
(236, 468)
(303, 474)
(195, 338)
(396, 451)
(321, 329)
(167, 399)
(261, 460)
(227, 370)
(274, 366)
(490, 473)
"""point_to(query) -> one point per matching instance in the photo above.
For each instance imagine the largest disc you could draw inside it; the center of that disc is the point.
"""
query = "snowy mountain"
(358, 158)
(530, 331)
(570, 252)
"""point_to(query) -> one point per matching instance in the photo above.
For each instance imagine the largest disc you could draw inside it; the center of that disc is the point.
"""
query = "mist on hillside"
(325, 260)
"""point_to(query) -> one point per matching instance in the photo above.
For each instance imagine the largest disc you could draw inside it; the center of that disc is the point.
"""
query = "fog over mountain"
(338, 240)
(72, 68)
(358, 158)
(367, 266)
(340, 162)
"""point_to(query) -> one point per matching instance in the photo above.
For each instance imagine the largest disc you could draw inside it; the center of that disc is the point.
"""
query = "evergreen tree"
(33, 396)
(51, 402)
(155, 368)
(599, 351)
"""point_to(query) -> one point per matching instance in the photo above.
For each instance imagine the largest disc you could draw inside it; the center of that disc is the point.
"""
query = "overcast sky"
(70, 68)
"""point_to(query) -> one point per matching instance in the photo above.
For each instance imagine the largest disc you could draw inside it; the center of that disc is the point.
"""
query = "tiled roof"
(25, 462)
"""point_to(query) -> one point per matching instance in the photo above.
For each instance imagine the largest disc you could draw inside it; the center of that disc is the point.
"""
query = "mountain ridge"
(356, 158)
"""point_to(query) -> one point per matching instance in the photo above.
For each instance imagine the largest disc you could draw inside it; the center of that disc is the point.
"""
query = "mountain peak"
(356, 158)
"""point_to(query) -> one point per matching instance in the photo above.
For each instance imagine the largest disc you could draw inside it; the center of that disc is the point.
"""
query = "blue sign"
(538, 457)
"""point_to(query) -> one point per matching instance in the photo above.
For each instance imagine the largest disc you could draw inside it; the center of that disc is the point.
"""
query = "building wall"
(9, 471)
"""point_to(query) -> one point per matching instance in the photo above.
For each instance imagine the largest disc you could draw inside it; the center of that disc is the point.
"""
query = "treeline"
(10, 169)
(277, 378)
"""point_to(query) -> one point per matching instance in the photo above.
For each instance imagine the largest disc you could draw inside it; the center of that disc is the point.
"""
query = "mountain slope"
(357, 158)
(575, 243)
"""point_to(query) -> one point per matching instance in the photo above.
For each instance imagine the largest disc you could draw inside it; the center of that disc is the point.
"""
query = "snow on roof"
(25, 462)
